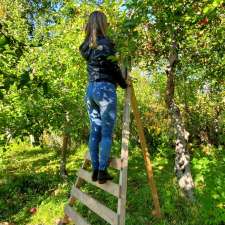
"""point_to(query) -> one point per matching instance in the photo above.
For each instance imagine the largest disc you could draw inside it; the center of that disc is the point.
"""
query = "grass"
(29, 179)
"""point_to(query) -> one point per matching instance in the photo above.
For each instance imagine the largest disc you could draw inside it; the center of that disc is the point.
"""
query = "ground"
(32, 192)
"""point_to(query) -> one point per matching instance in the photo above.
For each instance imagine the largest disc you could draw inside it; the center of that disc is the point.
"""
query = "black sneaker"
(94, 176)
(103, 176)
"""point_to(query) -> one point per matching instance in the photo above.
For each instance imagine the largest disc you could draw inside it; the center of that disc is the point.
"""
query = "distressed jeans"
(101, 100)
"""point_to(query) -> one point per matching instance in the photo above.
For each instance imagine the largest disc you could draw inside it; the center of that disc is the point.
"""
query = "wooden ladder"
(117, 190)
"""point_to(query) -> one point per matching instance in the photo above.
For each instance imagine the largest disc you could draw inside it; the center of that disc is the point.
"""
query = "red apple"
(33, 210)
(203, 21)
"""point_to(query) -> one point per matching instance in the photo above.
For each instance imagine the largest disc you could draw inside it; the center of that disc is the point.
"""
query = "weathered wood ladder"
(117, 190)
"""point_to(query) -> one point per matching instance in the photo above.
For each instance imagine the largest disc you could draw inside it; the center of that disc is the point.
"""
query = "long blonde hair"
(96, 26)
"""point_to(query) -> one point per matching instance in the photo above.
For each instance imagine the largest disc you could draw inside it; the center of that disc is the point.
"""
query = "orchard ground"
(32, 192)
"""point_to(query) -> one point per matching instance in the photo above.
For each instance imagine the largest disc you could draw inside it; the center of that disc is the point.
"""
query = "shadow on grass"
(28, 177)
(23, 186)
(34, 151)
(23, 191)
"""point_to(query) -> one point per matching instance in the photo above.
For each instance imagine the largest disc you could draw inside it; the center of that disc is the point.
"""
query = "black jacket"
(99, 64)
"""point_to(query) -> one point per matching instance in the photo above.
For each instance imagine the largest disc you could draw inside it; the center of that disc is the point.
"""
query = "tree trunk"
(64, 149)
(182, 160)
(213, 132)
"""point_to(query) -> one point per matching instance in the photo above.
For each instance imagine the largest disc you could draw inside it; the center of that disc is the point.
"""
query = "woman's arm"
(85, 50)
(110, 54)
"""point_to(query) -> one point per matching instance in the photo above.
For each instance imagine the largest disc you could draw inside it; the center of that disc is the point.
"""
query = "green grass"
(29, 178)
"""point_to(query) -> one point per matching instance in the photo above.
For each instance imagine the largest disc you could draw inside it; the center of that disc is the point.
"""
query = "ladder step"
(109, 186)
(114, 162)
(75, 216)
(104, 212)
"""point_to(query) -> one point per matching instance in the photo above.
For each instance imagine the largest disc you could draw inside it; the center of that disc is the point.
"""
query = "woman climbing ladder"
(101, 99)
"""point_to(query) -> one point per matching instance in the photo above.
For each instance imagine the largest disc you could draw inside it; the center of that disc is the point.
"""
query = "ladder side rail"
(121, 210)
(156, 212)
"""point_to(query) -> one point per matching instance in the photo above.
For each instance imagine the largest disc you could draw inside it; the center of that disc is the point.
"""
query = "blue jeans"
(101, 100)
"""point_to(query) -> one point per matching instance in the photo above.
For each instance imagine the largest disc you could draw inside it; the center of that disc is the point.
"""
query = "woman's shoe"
(103, 176)
(94, 176)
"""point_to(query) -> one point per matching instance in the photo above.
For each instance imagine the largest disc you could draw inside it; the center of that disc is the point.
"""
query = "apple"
(203, 21)
(33, 210)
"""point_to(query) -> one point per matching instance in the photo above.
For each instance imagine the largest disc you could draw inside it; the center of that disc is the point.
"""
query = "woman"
(101, 99)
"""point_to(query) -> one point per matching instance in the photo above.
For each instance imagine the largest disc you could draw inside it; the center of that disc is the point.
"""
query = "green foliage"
(43, 77)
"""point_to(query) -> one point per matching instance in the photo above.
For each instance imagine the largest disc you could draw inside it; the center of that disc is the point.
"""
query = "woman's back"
(100, 64)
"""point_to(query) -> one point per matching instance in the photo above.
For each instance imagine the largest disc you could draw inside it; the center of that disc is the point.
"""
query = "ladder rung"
(75, 216)
(109, 186)
(114, 162)
(104, 212)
